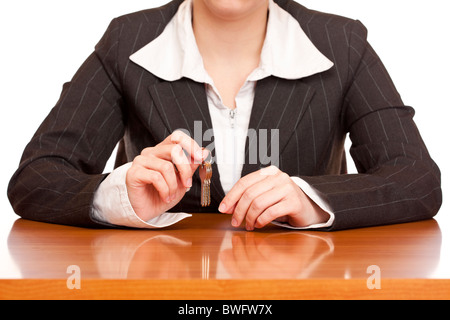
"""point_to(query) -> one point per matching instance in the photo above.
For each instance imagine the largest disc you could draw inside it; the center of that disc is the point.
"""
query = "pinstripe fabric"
(111, 99)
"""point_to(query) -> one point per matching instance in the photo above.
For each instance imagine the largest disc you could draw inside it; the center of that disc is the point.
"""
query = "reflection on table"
(207, 247)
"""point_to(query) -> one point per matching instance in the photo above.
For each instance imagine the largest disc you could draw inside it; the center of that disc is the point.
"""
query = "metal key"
(205, 172)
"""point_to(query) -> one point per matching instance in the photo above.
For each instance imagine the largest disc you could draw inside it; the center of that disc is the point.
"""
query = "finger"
(186, 169)
(240, 252)
(140, 176)
(233, 196)
(262, 203)
(188, 144)
(272, 213)
(163, 151)
(249, 196)
(164, 167)
(183, 165)
(206, 155)
(174, 153)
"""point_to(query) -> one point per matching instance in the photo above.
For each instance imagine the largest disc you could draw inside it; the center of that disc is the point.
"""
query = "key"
(205, 172)
(208, 184)
(205, 177)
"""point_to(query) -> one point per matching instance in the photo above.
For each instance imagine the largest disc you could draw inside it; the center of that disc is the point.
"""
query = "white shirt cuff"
(314, 196)
(111, 205)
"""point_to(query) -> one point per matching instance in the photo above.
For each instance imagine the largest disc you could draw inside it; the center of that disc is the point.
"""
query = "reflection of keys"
(205, 172)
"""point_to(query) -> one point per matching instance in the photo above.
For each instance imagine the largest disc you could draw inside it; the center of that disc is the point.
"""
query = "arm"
(62, 165)
(397, 180)
(60, 178)
(112, 205)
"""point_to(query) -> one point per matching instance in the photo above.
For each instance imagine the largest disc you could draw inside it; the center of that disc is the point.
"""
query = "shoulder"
(322, 25)
(157, 15)
(134, 30)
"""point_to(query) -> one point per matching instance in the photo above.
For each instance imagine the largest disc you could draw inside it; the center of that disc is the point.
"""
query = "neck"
(225, 35)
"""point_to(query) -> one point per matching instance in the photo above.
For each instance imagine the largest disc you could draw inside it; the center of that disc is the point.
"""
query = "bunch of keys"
(205, 172)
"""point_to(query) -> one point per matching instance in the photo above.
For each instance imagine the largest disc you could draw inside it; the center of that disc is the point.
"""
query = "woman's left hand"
(267, 195)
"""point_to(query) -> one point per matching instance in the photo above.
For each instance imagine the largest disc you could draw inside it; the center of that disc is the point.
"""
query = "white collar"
(287, 51)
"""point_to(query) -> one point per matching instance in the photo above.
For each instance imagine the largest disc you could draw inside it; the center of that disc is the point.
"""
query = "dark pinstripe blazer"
(111, 99)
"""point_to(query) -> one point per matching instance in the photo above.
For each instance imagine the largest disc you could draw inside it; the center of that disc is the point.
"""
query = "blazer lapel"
(279, 105)
(182, 104)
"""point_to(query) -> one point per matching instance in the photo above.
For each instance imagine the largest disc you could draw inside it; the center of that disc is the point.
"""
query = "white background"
(44, 42)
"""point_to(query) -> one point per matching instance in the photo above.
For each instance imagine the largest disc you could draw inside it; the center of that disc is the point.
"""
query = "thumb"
(206, 156)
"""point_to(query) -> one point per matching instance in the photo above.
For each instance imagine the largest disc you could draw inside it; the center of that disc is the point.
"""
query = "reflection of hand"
(270, 194)
(156, 258)
(287, 255)
(158, 178)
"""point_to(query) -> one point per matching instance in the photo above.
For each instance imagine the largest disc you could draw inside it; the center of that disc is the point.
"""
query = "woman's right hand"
(160, 176)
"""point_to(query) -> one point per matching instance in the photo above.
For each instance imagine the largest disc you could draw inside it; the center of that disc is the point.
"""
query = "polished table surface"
(203, 257)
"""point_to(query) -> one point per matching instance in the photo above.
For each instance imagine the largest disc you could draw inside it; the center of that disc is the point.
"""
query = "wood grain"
(324, 289)
(204, 257)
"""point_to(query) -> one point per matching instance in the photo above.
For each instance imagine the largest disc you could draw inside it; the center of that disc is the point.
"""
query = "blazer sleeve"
(62, 165)
(397, 180)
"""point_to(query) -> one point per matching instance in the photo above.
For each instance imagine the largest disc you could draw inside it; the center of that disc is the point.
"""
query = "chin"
(233, 9)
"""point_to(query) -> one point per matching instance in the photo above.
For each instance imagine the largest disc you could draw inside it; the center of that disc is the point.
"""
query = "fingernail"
(222, 207)
(205, 154)
(168, 199)
(234, 223)
(199, 154)
(189, 182)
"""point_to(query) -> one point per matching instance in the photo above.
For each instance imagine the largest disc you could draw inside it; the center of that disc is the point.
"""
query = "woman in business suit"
(309, 75)
(230, 37)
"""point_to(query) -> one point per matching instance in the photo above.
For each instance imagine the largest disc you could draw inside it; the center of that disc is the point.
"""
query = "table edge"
(155, 289)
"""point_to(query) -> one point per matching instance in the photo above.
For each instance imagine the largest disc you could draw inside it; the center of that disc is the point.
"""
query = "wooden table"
(203, 257)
